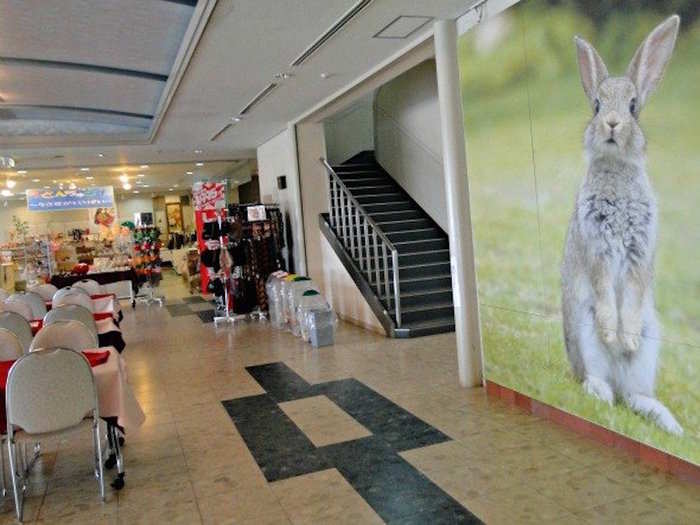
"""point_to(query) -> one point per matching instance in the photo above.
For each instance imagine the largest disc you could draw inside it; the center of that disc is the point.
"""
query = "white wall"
(407, 137)
(278, 157)
(127, 206)
(351, 131)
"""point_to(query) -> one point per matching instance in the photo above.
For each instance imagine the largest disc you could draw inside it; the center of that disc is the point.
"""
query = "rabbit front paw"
(630, 333)
(606, 323)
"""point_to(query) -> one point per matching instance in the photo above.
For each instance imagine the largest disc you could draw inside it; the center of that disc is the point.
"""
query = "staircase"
(375, 227)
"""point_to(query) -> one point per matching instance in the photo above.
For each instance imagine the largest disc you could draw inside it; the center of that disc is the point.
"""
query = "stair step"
(360, 174)
(422, 245)
(378, 197)
(397, 205)
(434, 326)
(383, 216)
(354, 167)
(415, 235)
(425, 312)
(419, 298)
(408, 224)
(366, 181)
(374, 190)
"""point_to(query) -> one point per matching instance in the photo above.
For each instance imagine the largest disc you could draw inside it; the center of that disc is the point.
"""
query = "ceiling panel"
(129, 34)
(79, 89)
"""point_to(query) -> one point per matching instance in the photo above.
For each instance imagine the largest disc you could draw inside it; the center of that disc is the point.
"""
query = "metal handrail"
(343, 208)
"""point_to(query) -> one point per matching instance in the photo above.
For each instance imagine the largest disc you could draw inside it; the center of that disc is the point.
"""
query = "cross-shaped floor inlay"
(367, 457)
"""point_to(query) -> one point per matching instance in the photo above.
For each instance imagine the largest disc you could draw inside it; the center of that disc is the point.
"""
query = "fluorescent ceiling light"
(21, 172)
(11, 183)
(35, 180)
(144, 166)
(140, 175)
(136, 191)
(198, 151)
(101, 155)
(199, 164)
(123, 178)
(89, 177)
(6, 193)
(126, 186)
(188, 172)
(84, 169)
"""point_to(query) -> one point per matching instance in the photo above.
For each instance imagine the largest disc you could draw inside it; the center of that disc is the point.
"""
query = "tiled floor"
(368, 431)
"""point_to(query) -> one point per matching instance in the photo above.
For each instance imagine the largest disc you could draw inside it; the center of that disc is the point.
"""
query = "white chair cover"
(34, 301)
(91, 286)
(45, 290)
(71, 312)
(20, 307)
(73, 296)
(10, 346)
(73, 335)
(19, 326)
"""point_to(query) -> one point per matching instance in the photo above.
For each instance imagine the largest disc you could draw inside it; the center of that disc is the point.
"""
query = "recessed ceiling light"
(72, 185)
(84, 169)
(170, 189)
(198, 151)
(35, 180)
(236, 119)
(126, 186)
(47, 187)
(89, 177)
(326, 76)
(146, 186)
(199, 164)
(144, 166)
(21, 172)
(176, 185)
(11, 183)
(123, 178)
(101, 155)
(188, 172)
(6, 193)
(136, 191)
(140, 175)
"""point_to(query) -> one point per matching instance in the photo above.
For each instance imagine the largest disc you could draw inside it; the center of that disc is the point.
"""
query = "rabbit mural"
(610, 325)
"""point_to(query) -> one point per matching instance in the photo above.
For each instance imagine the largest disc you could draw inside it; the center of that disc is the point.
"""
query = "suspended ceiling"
(133, 82)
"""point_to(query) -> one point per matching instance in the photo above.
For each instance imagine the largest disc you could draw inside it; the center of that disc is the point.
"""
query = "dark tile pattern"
(396, 490)
(207, 316)
(195, 299)
(178, 310)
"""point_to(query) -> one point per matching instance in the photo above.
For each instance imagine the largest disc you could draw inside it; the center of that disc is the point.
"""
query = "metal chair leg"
(2, 469)
(18, 491)
(98, 454)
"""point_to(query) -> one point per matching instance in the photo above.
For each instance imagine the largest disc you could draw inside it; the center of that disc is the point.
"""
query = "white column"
(454, 158)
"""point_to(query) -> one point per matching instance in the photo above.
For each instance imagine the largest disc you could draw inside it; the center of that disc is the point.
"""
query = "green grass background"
(524, 96)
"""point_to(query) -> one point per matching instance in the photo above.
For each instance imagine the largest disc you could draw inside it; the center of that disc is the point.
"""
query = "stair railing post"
(387, 290)
(358, 236)
(376, 263)
(368, 265)
(333, 200)
(341, 193)
(350, 230)
(397, 291)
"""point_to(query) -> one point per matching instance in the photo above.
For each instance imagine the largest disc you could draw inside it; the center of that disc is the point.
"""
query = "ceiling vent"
(257, 99)
(403, 26)
(223, 130)
(325, 37)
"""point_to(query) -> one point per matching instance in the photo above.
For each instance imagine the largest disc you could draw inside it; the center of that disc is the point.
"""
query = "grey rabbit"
(611, 331)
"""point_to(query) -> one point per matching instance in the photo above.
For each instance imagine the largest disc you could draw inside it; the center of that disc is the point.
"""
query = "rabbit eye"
(596, 106)
(633, 106)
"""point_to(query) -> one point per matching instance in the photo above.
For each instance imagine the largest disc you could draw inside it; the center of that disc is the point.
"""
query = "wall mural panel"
(583, 165)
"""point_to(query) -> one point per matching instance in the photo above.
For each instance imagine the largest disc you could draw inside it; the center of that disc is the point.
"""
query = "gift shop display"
(146, 261)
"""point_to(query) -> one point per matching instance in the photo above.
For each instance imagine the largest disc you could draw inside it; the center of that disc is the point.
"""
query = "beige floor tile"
(323, 497)
(323, 422)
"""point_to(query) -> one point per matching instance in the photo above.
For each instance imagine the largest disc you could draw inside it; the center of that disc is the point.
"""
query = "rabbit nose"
(612, 123)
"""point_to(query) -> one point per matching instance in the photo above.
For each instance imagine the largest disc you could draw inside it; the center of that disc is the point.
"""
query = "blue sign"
(57, 199)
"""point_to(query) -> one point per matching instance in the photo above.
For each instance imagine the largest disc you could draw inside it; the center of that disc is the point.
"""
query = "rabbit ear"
(649, 62)
(591, 67)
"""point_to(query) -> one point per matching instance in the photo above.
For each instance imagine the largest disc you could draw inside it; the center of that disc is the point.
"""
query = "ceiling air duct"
(325, 37)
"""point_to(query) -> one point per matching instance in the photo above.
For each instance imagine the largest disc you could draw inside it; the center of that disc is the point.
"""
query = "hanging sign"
(208, 196)
(256, 213)
(57, 199)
